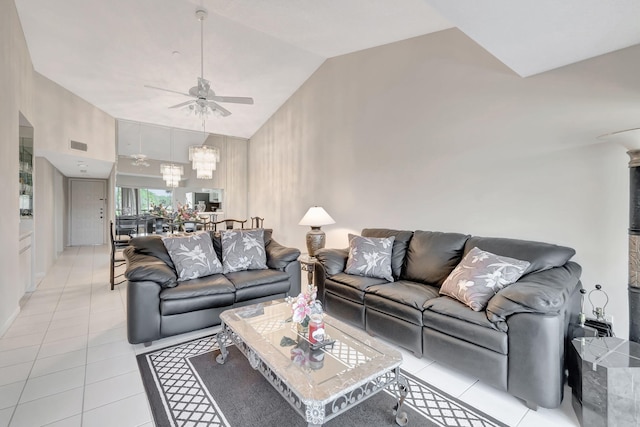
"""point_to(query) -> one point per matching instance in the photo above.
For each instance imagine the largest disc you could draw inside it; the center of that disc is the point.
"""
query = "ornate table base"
(316, 413)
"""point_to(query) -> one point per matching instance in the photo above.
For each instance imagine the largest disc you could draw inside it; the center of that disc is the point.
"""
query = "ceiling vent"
(80, 146)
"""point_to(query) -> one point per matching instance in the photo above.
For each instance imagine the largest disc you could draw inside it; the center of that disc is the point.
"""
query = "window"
(138, 201)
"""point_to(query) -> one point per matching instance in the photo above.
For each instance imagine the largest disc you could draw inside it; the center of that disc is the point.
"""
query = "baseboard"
(37, 279)
(5, 327)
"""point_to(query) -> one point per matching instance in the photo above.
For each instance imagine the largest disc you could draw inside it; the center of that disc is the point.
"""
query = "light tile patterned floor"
(65, 360)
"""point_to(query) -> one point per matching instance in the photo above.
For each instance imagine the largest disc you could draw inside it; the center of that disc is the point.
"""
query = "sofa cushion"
(480, 275)
(243, 250)
(208, 285)
(192, 255)
(350, 286)
(253, 284)
(432, 256)
(400, 245)
(249, 278)
(370, 256)
(541, 256)
(217, 242)
(402, 299)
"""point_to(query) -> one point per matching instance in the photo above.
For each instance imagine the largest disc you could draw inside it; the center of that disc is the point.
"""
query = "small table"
(308, 263)
(318, 382)
(605, 378)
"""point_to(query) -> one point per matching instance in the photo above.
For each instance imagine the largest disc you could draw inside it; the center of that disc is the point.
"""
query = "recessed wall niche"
(25, 171)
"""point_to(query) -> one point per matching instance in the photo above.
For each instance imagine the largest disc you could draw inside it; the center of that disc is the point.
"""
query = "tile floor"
(65, 360)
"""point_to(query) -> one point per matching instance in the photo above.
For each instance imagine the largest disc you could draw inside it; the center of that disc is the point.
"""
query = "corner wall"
(434, 133)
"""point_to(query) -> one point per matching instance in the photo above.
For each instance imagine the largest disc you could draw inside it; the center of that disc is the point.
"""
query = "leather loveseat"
(159, 306)
(517, 344)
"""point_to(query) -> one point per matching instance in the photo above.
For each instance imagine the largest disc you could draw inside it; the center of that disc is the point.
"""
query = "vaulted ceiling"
(107, 51)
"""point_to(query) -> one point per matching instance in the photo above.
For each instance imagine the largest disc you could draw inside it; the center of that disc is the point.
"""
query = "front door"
(88, 205)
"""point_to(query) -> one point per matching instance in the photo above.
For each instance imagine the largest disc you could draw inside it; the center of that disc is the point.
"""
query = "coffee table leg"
(401, 417)
(222, 338)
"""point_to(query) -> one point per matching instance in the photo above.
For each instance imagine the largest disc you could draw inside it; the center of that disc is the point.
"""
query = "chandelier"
(204, 159)
(139, 159)
(171, 173)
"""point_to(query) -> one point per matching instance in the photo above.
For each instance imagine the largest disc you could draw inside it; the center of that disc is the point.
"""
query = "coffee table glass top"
(317, 374)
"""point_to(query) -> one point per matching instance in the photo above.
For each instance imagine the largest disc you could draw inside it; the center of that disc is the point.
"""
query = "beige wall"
(57, 116)
(433, 133)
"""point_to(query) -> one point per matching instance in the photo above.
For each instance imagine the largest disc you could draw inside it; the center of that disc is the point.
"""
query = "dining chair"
(229, 224)
(117, 259)
(257, 222)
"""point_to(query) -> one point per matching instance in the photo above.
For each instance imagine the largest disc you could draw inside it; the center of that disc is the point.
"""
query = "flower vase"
(303, 327)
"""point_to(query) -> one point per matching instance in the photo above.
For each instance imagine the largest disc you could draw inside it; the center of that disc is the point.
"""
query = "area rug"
(186, 387)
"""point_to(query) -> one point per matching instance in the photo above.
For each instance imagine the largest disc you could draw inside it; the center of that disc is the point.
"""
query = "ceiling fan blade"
(182, 104)
(167, 90)
(220, 108)
(234, 99)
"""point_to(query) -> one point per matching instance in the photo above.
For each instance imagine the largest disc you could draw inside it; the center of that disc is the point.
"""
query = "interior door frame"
(70, 209)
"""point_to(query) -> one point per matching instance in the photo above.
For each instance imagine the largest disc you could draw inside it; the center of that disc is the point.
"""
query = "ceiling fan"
(205, 99)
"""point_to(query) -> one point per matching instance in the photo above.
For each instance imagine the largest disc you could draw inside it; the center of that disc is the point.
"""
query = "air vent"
(80, 146)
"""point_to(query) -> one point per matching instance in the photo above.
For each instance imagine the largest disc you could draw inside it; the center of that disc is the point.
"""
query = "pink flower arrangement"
(185, 213)
(304, 305)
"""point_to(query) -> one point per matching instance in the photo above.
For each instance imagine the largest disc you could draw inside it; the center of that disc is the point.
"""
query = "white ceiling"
(106, 51)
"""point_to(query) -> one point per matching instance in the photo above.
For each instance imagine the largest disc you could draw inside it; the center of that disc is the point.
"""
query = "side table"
(605, 378)
(307, 263)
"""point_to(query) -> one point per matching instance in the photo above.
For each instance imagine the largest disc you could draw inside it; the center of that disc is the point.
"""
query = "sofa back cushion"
(432, 256)
(400, 245)
(541, 256)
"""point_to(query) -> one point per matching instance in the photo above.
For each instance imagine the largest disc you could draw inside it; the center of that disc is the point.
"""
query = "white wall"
(434, 133)
(57, 116)
(49, 198)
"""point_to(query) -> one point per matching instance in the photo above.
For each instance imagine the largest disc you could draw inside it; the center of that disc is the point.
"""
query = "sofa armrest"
(333, 261)
(141, 267)
(278, 256)
(544, 292)
(143, 311)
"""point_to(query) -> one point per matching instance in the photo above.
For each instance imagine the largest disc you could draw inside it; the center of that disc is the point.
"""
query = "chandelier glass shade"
(171, 174)
(204, 159)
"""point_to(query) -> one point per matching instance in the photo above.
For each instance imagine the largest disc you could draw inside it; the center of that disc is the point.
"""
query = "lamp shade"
(316, 216)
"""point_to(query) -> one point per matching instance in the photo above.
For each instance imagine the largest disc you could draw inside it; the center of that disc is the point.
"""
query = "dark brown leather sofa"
(158, 306)
(518, 344)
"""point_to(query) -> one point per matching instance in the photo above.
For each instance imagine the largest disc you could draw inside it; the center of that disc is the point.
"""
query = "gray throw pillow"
(243, 250)
(370, 256)
(480, 275)
(192, 255)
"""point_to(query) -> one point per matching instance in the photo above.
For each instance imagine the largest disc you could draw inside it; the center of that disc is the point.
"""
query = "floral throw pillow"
(370, 256)
(480, 275)
(243, 250)
(193, 255)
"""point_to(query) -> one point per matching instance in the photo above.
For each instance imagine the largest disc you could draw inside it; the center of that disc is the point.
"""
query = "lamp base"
(315, 240)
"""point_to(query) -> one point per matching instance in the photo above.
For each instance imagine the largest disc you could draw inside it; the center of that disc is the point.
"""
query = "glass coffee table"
(319, 381)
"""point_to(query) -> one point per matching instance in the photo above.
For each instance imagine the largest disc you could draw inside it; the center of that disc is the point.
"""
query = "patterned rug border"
(161, 361)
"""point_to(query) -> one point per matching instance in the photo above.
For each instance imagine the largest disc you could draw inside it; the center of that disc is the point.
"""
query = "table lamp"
(316, 217)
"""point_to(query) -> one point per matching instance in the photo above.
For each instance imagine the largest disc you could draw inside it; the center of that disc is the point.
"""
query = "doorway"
(88, 204)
